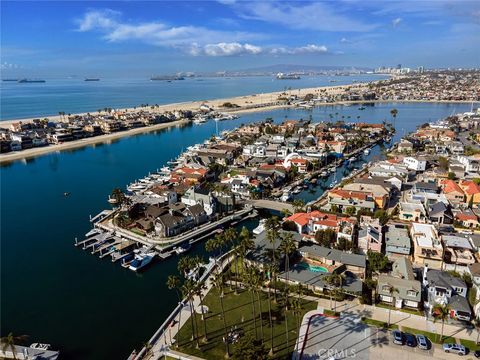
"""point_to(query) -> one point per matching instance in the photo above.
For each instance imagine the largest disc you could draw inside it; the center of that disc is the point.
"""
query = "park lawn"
(238, 311)
(405, 310)
(434, 338)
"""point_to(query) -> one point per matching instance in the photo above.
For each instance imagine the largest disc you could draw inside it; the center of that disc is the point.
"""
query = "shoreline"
(247, 104)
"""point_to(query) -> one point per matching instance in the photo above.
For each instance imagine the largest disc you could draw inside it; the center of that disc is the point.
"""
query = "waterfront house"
(448, 290)
(400, 288)
(311, 222)
(301, 164)
(197, 195)
(405, 146)
(60, 136)
(397, 241)
(24, 140)
(415, 163)
(428, 249)
(471, 164)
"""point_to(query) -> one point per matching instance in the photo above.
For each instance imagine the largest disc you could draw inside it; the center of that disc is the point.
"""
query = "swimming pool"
(306, 266)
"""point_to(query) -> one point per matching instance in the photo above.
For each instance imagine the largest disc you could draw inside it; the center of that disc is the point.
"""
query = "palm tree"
(394, 113)
(249, 274)
(173, 283)
(287, 247)
(246, 243)
(188, 289)
(336, 280)
(391, 290)
(219, 282)
(9, 342)
(441, 312)
(270, 270)
(257, 282)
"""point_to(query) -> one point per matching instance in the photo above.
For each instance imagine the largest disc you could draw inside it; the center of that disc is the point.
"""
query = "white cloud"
(108, 23)
(225, 49)
(307, 49)
(396, 22)
(314, 16)
(7, 66)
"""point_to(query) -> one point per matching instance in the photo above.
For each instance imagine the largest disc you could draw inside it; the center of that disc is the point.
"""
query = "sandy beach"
(246, 104)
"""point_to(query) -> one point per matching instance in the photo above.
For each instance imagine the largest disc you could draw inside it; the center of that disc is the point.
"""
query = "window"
(411, 293)
(386, 288)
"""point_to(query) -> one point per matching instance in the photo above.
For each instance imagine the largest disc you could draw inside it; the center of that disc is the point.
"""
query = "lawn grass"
(434, 338)
(405, 310)
(238, 312)
(378, 323)
(471, 345)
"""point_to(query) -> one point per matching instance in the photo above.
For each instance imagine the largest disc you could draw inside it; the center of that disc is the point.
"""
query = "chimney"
(425, 270)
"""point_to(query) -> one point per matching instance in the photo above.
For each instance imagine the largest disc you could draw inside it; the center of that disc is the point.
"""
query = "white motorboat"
(260, 228)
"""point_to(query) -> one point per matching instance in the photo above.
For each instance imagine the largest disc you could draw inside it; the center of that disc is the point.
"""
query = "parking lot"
(348, 338)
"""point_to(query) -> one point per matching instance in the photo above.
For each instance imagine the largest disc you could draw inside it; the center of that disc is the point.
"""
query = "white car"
(455, 348)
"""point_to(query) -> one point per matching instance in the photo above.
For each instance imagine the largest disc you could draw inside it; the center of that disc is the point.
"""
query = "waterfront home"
(448, 290)
(370, 235)
(428, 249)
(388, 169)
(178, 218)
(471, 191)
(415, 163)
(344, 199)
(300, 164)
(334, 260)
(109, 126)
(413, 210)
(92, 130)
(202, 196)
(211, 155)
(22, 138)
(455, 147)
(189, 174)
(405, 146)
(458, 250)
(60, 136)
(311, 222)
(400, 288)
(397, 241)
(15, 145)
(453, 192)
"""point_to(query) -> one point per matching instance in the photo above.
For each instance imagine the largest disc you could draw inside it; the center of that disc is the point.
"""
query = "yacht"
(142, 258)
(366, 151)
(40, 346)
(260, 228)
(182, 248)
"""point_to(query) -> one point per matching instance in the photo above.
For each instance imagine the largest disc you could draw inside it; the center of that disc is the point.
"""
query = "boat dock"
(106, 239)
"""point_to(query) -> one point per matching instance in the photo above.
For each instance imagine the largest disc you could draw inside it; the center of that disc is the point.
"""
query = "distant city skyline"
(89, 38)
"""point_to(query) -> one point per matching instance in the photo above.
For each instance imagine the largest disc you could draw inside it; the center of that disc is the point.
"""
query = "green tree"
(443, 163)
(377, 261)
(298, 205)
(392, 291)
(173, 283)
(381, 215)
(351, 210)
(451, 175)
(326, 237)
(440, 313)
(248, 348)
(219, 283)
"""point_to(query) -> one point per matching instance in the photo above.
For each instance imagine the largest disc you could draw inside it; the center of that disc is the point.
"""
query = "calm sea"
(87, 307)
(25, 100)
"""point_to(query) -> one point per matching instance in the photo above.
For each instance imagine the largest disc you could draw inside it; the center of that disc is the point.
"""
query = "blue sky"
(141, 38)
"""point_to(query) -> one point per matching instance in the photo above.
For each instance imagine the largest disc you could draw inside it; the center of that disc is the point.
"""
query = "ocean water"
(19, 101)
(87, 307)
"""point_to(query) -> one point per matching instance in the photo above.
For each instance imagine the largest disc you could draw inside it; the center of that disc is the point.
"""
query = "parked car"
(455, 348)
(477, 353)
(398, 337)
(422, 342)
(410, 340)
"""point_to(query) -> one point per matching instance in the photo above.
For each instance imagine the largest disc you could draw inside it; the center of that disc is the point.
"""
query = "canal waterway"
(87, 307)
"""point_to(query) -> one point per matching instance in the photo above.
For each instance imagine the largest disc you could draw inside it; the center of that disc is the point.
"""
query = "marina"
(98, 281)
